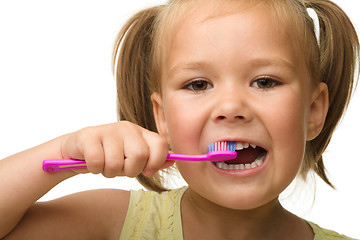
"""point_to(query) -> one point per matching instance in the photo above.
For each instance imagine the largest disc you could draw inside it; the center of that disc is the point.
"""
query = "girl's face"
(237, 77)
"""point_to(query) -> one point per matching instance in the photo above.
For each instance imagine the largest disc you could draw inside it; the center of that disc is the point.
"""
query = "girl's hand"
(117, 149)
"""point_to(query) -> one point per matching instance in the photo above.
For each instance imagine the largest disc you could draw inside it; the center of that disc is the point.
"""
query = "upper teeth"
(240, 146)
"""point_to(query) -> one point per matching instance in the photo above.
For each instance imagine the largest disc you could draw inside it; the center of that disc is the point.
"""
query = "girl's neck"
(202, 219)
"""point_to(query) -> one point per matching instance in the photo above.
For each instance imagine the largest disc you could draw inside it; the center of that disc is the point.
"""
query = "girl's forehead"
(250, 14)
(202, 10)
(196, 12)
(285, 16)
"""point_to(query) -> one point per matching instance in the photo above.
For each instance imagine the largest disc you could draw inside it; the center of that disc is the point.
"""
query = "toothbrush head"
(221, 151)
(222, 146)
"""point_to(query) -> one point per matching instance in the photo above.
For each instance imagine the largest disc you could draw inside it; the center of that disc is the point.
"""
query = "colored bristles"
(222, 146)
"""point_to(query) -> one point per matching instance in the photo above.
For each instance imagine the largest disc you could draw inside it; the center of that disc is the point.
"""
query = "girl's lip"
(244, 172)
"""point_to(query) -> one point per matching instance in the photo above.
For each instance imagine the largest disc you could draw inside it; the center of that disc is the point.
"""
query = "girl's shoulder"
(326, 234)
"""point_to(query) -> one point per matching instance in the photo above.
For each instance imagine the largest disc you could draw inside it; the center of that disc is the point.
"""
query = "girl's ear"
(159, 114)
(318, 111)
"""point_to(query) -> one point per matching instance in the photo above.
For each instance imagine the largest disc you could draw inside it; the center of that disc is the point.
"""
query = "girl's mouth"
(248, 156)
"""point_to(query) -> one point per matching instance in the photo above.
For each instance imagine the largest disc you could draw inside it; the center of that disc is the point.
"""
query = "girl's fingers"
(136, 152)
(114, 157)
(118, 149)
(94, 156)
(158, 150)
(85, 144)
(167, 164)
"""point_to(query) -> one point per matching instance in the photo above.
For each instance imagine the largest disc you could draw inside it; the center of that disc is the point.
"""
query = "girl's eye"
(198, 85)
(265, 83)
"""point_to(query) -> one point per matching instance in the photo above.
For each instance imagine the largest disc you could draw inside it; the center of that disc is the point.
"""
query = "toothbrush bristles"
(222, 146)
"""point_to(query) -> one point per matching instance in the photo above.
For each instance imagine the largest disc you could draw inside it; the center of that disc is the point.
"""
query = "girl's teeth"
(241, 146)
(258, 162)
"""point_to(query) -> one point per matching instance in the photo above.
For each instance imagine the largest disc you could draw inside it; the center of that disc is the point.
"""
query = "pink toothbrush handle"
(213, 156)
(183, 157)
(52, 165)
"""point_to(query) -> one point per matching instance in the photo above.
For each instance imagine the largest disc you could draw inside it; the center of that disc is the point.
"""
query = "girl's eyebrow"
(280, 62)
(254, 63)
(191, 66)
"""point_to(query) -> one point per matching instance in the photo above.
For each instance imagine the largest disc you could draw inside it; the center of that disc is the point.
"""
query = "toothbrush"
(218, 151)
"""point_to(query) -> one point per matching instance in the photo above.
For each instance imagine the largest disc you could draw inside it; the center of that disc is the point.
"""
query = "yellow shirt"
(156, 216)
(325, 234)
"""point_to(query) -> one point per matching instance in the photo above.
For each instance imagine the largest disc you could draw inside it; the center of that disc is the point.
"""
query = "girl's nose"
(231, 108)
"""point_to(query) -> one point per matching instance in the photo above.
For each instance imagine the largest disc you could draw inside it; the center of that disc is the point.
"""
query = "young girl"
(190, 73)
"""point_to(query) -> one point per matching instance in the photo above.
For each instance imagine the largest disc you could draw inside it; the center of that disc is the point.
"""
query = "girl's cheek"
(184, 137)
(184, 126)
(289, 134)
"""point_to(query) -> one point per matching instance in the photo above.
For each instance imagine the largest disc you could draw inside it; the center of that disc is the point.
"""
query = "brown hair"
(334, 61)
(140, 49)
(132, 71)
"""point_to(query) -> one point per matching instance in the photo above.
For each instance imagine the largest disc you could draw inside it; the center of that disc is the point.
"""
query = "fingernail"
(148, 173)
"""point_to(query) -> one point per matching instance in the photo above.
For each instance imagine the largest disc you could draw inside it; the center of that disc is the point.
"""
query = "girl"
(190, 73)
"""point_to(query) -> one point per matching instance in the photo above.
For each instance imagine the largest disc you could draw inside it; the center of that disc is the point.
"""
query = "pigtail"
(338, 59)
(132, 69)
(131, 63)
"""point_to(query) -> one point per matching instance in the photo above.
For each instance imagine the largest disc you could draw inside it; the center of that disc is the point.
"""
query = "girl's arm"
(23, 182)
(96, 214)
(118, 149)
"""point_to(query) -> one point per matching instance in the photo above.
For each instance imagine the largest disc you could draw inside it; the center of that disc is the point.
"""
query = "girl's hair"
(140, 48)
(132, 58)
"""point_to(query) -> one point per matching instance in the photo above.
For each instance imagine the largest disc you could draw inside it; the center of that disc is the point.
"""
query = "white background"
(55, 77)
